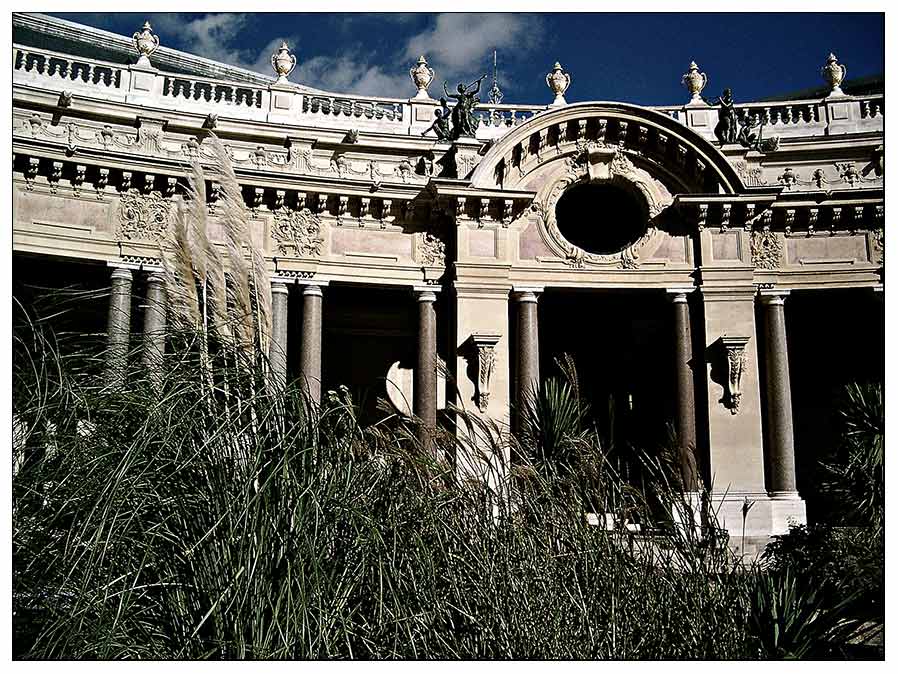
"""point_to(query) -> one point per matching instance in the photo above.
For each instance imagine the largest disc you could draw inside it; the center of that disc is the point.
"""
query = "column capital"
(426, 293)
(279, 286)
(773, 296)
(678, 295)
(122, 273)
(527, 293)
(156, 276)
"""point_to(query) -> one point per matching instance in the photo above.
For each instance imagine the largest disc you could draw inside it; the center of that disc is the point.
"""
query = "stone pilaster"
(118, 326)
(277, 352)
(780, 438)
(154, 324)
(528, 345)
(310, 346)
(684, 387)
(425, 388)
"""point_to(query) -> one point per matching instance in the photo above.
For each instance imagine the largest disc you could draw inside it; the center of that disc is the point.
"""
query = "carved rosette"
(432, 250)
(766, 250)
(146, 43)
(597, 162)
(422, 75)
(143, 217)
(736, 361)
(283, 62)
(695, 82)
(484, 345)
(297, 233)
(558, 81)
(834, 73)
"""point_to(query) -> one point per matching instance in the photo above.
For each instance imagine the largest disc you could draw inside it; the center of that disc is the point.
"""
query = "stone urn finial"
(146, 42)
(834, 72)
(422, 75)
(558, 81)
(695, 82)
(283, 62)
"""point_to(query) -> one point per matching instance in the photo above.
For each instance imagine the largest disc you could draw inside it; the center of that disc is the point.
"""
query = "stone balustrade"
(63, 68)
(198, 90)
(285, 102)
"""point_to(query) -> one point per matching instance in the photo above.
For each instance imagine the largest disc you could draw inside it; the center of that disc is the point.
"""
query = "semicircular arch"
(676, 150)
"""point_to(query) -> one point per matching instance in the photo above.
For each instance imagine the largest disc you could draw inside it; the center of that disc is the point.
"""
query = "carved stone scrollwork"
(600, 163)
(297, 233)
(432, 250)
(766, 250)
(736, 361)
(484, 346)
(143, 216)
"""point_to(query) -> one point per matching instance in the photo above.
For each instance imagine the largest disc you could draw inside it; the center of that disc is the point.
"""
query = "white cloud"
(459, 44)
(348, 75)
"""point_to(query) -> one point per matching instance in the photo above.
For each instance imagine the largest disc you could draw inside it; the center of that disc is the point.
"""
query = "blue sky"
(637, 58)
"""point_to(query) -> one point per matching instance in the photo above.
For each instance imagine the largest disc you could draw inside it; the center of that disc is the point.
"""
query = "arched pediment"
(659, 144)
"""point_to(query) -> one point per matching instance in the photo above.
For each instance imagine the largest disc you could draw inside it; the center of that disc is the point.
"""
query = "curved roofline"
(729, 178)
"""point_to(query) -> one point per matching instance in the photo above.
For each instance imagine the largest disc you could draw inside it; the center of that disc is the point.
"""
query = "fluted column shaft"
(277, 351)
(425, 389)
(118, 325)
(310, 346)
(685, 389)
(781, 443)
(154, 325)
(528, 346)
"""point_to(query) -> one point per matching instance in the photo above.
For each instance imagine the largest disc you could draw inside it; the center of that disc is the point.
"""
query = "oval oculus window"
(601, 218)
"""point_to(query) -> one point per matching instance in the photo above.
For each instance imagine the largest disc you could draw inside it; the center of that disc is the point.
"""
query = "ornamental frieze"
(152, 140)
(297, 233)
(143, 216)
(766, 250)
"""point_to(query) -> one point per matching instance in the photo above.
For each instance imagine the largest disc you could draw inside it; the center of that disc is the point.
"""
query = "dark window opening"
(600, 218)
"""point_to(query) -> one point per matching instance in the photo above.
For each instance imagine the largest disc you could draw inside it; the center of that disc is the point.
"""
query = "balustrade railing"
(811, 117)
(67, 68)
(368, 108)
(498, 115)
(212, 91)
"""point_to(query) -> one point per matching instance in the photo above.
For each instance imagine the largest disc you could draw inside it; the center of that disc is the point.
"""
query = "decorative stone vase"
(695, 82)
(558, 81)
(283, 62)
(422, 75)
(146, 43)
(834, 73)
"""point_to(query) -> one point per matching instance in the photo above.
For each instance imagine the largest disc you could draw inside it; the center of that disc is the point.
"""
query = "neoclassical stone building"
(727, 289)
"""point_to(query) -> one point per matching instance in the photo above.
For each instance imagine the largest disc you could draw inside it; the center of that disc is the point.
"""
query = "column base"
(751, 519)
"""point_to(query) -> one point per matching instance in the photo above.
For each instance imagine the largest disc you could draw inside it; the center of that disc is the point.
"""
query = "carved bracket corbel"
(734, 349)
(484, 349)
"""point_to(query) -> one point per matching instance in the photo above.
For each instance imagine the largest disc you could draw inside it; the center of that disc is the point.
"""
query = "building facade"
(696, 282)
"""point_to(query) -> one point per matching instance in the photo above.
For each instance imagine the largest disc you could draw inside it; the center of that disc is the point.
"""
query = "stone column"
(277, 351)
(310, 347)
(685, 387)
(528, 345)
(118, 326)
(425, 388)
(781, 445)
(154, 325)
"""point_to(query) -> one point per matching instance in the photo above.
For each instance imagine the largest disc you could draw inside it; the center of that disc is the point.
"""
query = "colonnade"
(778, 412)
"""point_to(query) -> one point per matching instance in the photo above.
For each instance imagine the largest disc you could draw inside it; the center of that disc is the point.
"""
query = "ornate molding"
(143, 216)
(432, 250)
(600, 163)
(766, 250)
(484, 345)
(297, 233)
(736, 361)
